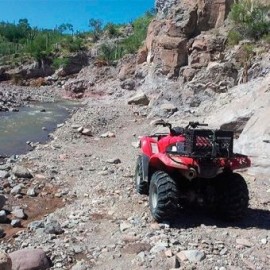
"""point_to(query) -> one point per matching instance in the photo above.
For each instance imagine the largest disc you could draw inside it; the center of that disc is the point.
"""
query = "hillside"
(81, 206)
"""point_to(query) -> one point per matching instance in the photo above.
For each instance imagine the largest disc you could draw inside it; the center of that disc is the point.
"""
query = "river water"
(32, 123)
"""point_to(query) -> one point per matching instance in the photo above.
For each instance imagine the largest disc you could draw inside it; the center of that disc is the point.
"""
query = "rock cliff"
(190, 72)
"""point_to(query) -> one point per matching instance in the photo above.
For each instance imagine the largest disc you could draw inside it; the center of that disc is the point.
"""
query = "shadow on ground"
(255, 218)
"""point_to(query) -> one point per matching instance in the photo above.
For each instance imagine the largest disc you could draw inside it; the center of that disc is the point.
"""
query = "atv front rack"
(208, 143)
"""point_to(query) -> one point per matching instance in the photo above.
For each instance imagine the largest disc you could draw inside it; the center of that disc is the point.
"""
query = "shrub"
(250, 19)
(60, 62)
(112, 30)
(234, 37)
(266, 38)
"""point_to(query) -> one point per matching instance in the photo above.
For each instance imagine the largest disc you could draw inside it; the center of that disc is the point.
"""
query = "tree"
(96, 28)
(65, 27)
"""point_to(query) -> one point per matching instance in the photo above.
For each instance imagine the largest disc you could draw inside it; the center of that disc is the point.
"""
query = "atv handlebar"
(196, 124)
(173, 131)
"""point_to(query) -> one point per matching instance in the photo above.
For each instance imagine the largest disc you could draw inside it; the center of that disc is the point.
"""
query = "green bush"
(111, 52)
(60, 62)
(234, 37)
(250, 19)
(266, 38)
(112, 30)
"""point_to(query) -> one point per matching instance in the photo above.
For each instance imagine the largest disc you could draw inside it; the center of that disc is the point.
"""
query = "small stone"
(114, 161)
(4, 174)
(157, 248)
(80, 266)
(194, 255)
(17, 189)
(108, 134)
(243, 242)
(32, 192)
(155, 226)
(80, 129)
(3, 216)
(223, 251)
(136, 144)
(168, 253)
(87, 132)
(18, 213)
(124, 226)
(264, 241)
(174, 263)
(21, 172)
(139, 99)
(53, 227)
(181, 256)
(60, 125)
(141, 256)
(16, 223)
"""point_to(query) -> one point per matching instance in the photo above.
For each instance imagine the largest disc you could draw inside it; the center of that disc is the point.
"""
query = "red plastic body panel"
(155, 149)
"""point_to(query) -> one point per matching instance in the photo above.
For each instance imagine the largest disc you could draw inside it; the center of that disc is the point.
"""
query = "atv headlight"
(172, 148)
(177, 148)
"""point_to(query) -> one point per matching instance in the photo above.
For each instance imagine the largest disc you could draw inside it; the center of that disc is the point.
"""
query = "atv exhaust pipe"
(190, 174)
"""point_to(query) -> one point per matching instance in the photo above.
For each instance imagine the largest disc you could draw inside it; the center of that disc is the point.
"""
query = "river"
(31, 124)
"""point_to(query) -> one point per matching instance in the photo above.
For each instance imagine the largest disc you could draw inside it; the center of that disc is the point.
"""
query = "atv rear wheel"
(163, 196)
(141, 185)
(233, 196)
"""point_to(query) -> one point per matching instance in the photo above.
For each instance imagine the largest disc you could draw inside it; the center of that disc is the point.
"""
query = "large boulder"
(246, 110)
(29, 259)
(206, 48)
(75, 88)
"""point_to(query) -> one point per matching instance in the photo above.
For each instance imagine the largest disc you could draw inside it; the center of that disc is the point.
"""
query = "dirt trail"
(109, 226)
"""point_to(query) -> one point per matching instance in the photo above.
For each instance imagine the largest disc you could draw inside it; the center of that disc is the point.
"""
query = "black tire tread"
(142, 188)
(233, 196)
(167, 196)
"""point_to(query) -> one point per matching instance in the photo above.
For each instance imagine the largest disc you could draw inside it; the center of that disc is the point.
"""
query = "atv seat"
(176, 131)
(159, 136)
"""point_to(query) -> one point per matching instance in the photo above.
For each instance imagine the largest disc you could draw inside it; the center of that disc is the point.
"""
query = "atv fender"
(149, 146)
(161, 160)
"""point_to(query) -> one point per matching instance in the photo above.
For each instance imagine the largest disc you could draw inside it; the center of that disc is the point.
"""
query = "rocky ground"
(74, 197)
(81, 208)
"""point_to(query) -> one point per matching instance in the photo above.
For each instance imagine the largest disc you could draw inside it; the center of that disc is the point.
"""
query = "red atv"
(191, 166)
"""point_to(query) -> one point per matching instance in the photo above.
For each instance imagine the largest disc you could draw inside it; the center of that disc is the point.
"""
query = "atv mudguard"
(164, 160)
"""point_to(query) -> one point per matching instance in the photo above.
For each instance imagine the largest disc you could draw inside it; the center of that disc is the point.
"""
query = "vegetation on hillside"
(251, 20)
(19, 42)
(113, 51)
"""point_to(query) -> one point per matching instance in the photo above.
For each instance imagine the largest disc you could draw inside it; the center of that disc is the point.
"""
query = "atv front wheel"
(141, 185)
(163, 196)
(233, 196)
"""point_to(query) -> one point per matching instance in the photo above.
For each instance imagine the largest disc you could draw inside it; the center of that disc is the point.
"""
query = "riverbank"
(12, 97)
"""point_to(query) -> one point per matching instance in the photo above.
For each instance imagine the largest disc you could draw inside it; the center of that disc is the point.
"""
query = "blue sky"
(50, 13)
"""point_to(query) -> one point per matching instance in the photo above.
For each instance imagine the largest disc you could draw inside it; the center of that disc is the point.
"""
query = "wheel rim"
(154, 198)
